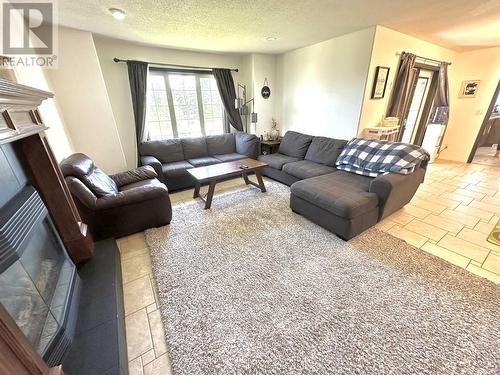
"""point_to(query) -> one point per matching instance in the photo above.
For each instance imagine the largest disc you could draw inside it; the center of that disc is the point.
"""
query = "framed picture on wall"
(380, 82)
(468, 89)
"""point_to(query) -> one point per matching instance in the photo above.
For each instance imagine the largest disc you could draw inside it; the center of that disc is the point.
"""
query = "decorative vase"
(266, 136)
(275, 134)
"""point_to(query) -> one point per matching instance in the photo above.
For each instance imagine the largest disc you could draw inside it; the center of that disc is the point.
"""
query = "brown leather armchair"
(117, 205)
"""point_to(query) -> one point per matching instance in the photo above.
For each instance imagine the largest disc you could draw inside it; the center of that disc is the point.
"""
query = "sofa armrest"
(132, 196)
(145, 172)
(153, 162)
(395, 190)
(79, 190)
(247, 144)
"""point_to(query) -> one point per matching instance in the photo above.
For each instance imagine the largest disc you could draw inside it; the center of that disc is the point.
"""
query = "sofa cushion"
(295, 144)
(230, 157)
(166, 151)
(175, 169)
(146, 172)
(247, 144)
(100, 183)
(82, 167)
(206, 160)
(305, 169)
(341, 193)
(325, 150)
(194, 147)
(143, 184)
(221, 144)
(277, 160)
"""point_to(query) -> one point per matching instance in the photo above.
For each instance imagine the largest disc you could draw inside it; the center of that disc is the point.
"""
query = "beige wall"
(320, 87)
(57, 134)
(116, 78)
(254, 68)
(263, 66)
(466, 115)
(386, 44)
(81, 93)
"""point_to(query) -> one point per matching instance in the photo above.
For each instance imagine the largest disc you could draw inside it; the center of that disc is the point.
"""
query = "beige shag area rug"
(249, 287)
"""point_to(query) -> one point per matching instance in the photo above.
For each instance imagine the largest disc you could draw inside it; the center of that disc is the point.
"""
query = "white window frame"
(170, 101)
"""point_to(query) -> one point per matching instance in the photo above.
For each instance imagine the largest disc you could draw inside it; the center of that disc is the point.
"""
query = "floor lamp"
(242, 105)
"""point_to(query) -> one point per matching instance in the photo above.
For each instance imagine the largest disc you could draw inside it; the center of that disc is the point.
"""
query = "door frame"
(426, 111)
(475, 146)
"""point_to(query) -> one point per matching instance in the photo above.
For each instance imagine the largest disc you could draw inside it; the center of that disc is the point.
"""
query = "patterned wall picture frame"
(380, 82)
(468, 89)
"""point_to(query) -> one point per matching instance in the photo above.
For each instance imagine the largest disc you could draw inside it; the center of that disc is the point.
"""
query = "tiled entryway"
(450, 217)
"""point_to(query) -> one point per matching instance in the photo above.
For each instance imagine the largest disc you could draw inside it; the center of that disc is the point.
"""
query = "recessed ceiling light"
(271, 38)
(117, 13)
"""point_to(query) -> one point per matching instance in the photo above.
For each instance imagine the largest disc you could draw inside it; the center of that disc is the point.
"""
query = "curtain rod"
(117, 60)
(424, 58)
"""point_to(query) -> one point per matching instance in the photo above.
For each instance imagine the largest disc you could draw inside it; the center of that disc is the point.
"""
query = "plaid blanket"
(372, 158)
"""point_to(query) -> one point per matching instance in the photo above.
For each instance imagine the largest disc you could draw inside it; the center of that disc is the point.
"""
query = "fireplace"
(42, 236)
(39, 285)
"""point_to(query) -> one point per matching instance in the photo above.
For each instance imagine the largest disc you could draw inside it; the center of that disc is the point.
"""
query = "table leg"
(210, 195)
(196, 193)
(262, 187)
(245, 177)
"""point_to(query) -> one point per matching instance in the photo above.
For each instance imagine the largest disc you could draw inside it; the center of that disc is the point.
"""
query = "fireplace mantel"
(20, 116)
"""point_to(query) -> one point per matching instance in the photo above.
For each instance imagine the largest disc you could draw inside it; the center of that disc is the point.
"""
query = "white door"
(417, 105)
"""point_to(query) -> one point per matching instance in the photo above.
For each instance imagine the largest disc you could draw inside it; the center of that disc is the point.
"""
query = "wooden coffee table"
(216, 172)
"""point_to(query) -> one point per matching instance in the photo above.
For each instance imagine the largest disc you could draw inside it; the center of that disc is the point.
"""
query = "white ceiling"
(241, 26)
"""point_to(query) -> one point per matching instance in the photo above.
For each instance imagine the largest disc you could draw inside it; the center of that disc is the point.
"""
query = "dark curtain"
(138, 80)
(442, 93)
(401, 91)
(442, 98)
(225, 84)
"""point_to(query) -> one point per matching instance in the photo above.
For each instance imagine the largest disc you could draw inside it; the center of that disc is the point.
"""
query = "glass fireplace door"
(38, 281)
(35, 289)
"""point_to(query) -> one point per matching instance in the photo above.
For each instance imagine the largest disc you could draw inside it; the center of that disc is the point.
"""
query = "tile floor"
(450, 217)
(486, 156)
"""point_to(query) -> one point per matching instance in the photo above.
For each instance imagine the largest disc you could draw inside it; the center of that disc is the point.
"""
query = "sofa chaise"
(342, 202)
(173, 157)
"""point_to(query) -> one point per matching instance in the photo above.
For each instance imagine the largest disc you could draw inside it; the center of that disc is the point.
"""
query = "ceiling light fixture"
(117, 14)
(271, 38)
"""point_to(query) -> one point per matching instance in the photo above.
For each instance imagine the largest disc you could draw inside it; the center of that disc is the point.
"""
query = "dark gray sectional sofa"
(173, 157)
(342, 202)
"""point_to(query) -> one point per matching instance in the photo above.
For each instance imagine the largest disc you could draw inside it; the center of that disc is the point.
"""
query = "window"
(183, 105)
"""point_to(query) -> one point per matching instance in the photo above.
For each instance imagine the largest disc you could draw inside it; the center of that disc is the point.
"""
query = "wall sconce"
(242, 104)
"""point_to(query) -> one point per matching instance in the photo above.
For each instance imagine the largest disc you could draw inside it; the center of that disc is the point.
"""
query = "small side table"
(269, 147)
(386, 133)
